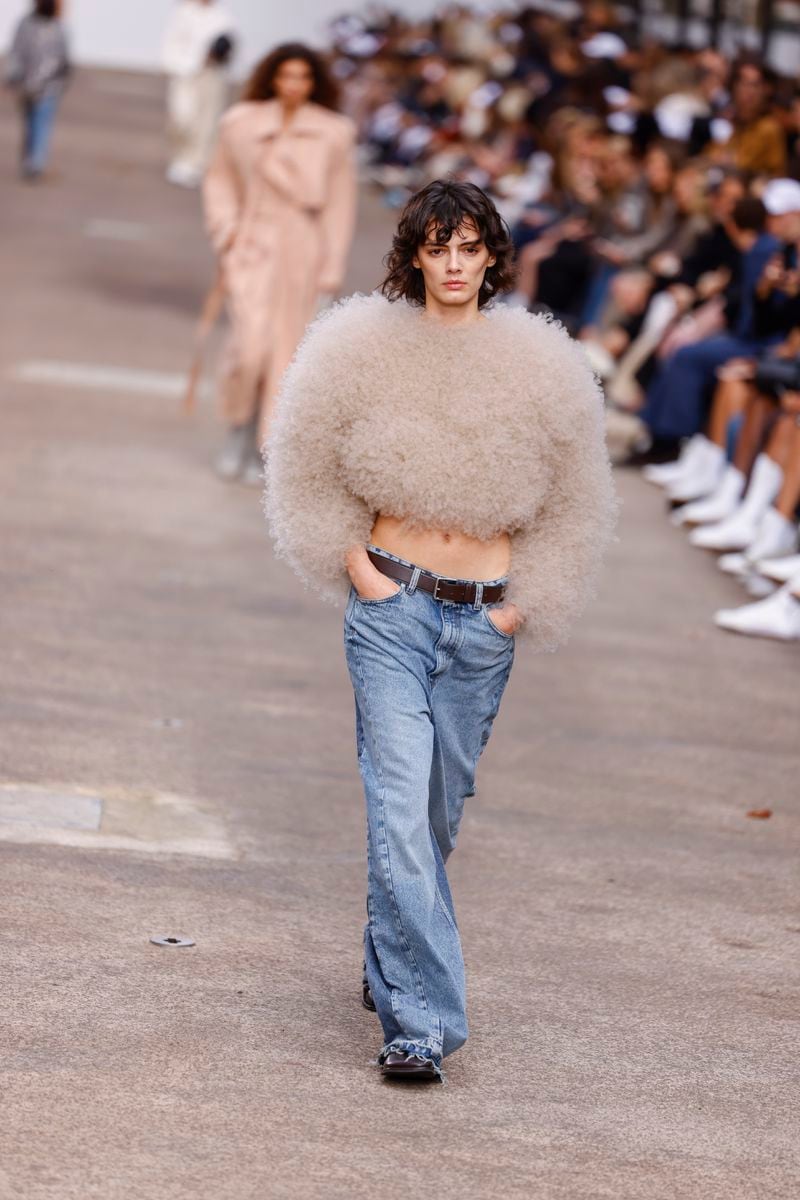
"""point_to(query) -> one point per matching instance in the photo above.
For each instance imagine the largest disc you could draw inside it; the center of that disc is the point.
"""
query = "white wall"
(126, 33)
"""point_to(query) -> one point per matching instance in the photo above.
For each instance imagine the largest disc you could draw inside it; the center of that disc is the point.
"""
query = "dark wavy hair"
(261, 84)
(438, 211)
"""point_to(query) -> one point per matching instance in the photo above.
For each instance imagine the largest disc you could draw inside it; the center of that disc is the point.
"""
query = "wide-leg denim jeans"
(428, 678)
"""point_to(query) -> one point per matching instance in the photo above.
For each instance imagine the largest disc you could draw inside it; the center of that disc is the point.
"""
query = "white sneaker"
(716, 507)
(774, 535)
(780, 569)
(662, 474)
(776, 617)
(736, 532)
(758, 586)
(703, 478)
(733, 564)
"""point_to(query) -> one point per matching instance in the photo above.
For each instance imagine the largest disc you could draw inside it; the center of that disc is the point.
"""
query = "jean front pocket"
(507, 637)
(381, 601)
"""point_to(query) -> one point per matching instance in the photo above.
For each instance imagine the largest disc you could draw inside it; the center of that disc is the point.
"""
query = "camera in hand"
(221, 50)
(774, 376)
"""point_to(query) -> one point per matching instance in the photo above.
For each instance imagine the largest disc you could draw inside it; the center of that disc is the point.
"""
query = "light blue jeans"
(38, 117)
(428, 677)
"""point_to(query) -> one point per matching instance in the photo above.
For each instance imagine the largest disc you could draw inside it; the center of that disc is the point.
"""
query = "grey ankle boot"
(237, 449)
(253, 473)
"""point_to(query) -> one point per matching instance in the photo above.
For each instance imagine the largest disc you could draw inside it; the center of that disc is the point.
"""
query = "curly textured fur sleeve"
(314, 518)
(556, 558)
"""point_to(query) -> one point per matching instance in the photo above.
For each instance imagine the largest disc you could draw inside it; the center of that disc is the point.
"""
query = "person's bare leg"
(730, 399)
(758, 414)
(787, 433)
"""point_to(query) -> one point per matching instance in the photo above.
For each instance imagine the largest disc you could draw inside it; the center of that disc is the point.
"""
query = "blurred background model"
(280, 200)
(37, 69)
(195, 54)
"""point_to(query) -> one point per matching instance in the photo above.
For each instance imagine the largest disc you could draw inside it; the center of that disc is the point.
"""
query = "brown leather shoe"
(399, 1064)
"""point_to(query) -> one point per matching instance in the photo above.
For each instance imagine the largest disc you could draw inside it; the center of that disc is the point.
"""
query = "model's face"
(294, 82)
(453, 271)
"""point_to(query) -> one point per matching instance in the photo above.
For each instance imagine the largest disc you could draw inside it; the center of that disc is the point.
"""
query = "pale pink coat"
(280, 211)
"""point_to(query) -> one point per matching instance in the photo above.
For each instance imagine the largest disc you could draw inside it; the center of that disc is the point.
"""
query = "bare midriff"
(444, 552)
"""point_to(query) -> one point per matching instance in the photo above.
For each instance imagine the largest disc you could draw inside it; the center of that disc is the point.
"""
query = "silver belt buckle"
(441, 579)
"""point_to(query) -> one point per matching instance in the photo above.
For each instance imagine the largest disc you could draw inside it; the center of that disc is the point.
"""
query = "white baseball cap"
(604, 45)
(781, 196)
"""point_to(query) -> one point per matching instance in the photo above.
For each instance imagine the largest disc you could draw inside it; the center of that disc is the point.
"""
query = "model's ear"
(492, 261)
(415, 263)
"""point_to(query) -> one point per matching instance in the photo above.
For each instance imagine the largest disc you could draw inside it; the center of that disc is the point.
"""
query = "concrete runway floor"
(178, 758)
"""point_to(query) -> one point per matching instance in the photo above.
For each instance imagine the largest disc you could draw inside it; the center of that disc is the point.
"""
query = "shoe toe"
(705, 536)
(253, 474)
(732, 564)
(400, 1065)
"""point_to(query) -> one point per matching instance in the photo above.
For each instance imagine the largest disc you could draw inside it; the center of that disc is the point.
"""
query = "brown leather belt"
(459, 591)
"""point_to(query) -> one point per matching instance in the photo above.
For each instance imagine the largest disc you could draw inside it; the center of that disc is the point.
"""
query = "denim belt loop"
(412, 583)
(478, 597)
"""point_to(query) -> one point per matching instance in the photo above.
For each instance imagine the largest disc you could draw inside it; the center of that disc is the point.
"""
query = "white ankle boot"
(663, 473)
(739, 529)
(776, 617)
(780, 569)
(703, 478)
(716, 507)
(775, 535)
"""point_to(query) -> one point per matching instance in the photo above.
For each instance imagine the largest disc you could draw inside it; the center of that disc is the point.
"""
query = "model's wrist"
(356, 558)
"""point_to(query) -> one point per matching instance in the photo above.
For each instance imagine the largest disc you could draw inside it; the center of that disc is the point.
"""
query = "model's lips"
(454, 284)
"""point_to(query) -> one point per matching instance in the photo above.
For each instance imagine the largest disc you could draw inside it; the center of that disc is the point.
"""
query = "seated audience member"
(757, 142)
(678, 397)
(704, 271)
(774, 311)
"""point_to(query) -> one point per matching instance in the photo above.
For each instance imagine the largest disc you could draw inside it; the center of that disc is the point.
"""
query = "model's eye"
(472, 249)
(435, 251)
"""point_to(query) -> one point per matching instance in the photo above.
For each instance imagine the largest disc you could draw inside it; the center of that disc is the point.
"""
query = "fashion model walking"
(280, 200)
(195, 54)
(37, 69)
(446, 460)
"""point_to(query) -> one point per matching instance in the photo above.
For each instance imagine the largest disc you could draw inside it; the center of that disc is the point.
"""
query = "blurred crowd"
(653, 197)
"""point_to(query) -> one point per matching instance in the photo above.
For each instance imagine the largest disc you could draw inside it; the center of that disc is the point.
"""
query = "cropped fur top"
(494, 427)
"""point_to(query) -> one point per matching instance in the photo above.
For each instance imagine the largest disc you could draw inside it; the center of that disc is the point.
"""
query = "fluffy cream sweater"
(491, 428)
